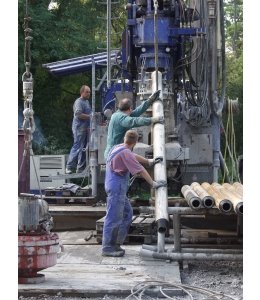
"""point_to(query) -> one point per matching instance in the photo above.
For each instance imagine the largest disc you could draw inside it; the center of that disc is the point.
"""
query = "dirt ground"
(222, 277)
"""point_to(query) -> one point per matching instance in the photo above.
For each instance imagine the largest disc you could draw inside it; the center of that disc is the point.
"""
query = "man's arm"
(83, 116)
(130, 122)
(146, 176)
(140, 109)
(141, 159)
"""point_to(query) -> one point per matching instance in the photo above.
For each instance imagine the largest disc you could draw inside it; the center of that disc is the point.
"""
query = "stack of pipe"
(225, 197)
(191, 197)
(222, 202)
(207, 200)
(235, 196)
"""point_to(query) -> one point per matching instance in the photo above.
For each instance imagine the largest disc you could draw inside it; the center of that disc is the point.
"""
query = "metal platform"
(82, 271)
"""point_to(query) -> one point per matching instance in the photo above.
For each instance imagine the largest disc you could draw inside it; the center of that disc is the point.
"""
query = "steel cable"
(142, 288)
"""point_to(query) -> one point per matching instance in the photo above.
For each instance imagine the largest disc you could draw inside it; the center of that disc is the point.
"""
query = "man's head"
(85, 92)
(131, 138)
(125, 105)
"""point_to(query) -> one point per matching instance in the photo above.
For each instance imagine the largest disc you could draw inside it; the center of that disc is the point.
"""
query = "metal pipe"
(190, 211)
(207, 200)
(192, 250)
(239, 187)
(155, 4)
(160, 241)
(235, 199)
(93, 161)
(161, 194)
(177, 232)
(191, 256)
(222, 203)
(206, 250)
(217, 241)
(185, 211)
(191, 197)
(108, 43)
(238, 200)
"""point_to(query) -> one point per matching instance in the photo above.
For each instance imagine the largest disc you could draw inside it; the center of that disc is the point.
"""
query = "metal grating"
(51, 162)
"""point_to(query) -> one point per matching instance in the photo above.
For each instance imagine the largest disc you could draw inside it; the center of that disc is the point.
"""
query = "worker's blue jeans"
(119, 211)
(77, 156)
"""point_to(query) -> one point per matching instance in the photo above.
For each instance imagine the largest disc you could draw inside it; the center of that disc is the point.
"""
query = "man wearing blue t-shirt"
(80, 128)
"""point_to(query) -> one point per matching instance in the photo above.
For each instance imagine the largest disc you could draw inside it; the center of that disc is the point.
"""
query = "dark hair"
(131, 137)
(125, 104)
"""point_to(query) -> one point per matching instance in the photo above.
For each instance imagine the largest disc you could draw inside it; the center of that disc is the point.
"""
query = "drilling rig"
(177, 47)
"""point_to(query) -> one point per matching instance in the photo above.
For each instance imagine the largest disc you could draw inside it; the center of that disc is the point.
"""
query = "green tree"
(67, 31)
(234, 63)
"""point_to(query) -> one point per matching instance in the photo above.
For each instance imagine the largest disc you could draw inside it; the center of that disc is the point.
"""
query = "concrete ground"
(82, 271)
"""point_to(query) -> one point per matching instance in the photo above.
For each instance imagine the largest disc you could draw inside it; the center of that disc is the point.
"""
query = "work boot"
(118, 248)
(68, 171)
(116, 253)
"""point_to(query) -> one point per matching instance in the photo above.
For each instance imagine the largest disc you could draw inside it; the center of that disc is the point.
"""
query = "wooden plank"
(138, 220)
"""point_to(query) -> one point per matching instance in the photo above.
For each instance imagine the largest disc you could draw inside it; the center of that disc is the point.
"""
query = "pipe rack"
(177, 253)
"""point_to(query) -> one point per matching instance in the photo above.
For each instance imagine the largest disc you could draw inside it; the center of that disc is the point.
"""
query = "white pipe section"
(161, 194)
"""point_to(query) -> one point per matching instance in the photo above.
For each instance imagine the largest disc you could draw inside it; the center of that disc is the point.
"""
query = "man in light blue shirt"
(80, 128)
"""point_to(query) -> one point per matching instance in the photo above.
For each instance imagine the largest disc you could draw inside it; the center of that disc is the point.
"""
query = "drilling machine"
(177, 47)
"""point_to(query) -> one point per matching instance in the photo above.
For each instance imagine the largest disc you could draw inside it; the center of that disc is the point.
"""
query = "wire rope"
(142, 288)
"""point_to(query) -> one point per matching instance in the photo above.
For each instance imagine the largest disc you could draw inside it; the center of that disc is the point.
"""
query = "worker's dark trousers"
(119, 211)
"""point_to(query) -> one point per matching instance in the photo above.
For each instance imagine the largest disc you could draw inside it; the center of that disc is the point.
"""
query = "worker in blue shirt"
(126, 118)
(80, 129)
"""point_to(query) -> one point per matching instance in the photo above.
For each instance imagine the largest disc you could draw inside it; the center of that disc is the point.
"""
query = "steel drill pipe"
(222, 203)
(207, 200)
(239, 187)
(191, 197)
(161, 194)
(236, 200)
(191, 256)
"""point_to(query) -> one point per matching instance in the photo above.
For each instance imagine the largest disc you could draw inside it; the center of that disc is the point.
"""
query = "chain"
(28, 124)
(27, 79)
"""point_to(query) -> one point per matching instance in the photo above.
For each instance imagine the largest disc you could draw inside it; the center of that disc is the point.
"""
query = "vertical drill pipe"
(108, 43)
(161, 242)
(191, 197)
(161, 194)
(177, 232)
(223, 204)
(207, 200)
(155, 3)
(93, 161)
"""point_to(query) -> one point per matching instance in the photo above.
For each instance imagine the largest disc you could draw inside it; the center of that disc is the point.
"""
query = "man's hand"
(154, 161)
(154, 97)
(157, 120)
(158, 184)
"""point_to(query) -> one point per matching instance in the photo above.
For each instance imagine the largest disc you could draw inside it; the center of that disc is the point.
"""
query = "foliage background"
(76, 28)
